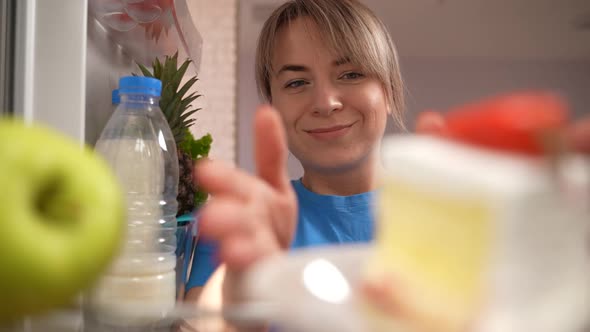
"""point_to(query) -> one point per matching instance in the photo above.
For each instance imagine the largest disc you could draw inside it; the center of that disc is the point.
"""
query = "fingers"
(242, 225)
(219, 178)
(271, 148)
(271, 162)
(386, 295)
(250, 216)
(241, 251)
(243, 240)
(221, 216)
(237, 252)
(382, 296)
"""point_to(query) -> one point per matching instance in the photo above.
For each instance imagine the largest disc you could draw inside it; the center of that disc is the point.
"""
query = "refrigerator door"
(60, 59)
(7, 8)
(123, 33)
(50, 64)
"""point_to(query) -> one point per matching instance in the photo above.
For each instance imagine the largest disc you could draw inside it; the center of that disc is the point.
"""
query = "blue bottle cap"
(115, 98)
(140, 85)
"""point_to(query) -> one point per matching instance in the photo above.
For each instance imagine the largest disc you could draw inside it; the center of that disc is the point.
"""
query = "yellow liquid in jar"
(436, 250)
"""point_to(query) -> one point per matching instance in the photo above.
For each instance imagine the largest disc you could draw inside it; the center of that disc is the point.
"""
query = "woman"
(330, 71)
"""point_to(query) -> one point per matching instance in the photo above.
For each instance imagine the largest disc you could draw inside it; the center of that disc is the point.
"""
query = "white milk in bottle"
(141, 280)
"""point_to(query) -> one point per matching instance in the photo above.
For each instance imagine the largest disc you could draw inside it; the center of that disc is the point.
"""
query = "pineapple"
(186, 186)
(176, 106)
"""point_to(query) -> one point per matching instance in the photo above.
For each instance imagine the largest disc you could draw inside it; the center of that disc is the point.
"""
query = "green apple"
(62, 219)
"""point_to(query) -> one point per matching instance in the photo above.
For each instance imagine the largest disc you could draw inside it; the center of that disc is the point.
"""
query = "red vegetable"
(514, 122)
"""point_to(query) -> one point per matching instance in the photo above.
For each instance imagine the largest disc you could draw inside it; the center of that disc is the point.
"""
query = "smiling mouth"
(328, 129)
(329, 133)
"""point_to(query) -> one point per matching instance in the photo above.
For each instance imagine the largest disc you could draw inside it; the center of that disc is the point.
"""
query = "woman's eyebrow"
(302, 68)
(341, 61)
(296, 68)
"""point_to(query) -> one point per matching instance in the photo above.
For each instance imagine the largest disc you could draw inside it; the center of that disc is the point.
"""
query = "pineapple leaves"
(190, 122)
(169, 69)
(176, 107)
(187, 86)
(173, 111)
(178, 137)
(188, 100)
(168, 94)
(175, 81)
(144, 70)
(185, 115)
(157, 69)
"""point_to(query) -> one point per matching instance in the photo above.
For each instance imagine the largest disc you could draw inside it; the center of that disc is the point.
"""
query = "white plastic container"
(482, 240)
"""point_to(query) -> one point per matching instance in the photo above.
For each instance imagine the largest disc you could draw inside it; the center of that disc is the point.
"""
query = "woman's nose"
(326, 100)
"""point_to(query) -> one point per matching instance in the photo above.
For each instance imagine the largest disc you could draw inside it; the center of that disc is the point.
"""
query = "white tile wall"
(217, 23)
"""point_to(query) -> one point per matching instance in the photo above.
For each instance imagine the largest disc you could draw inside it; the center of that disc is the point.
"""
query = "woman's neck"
(356, 180)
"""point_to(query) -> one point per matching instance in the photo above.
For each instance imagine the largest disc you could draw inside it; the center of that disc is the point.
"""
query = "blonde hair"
(349, 28)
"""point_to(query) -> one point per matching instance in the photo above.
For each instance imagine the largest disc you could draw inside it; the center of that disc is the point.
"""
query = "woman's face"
(334, 113)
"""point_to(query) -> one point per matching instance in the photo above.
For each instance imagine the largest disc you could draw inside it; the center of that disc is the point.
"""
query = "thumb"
(271, 148)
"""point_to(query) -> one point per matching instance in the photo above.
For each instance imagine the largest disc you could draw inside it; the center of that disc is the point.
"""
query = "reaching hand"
(251, 216)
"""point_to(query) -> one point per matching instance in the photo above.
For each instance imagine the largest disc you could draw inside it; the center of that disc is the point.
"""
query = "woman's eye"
(295, 84)
(352, 76)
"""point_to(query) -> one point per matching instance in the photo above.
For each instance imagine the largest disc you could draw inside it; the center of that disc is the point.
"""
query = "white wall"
(452, 76)
(217, 24)
(441, 83)
(251, 15)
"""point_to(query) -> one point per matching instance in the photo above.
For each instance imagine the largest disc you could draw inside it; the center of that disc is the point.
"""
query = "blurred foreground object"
(579, 135)
(477, 226)
(61, 219)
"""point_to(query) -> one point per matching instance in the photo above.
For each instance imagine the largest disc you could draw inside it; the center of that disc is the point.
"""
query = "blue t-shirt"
(329, 219)
(323, 220)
